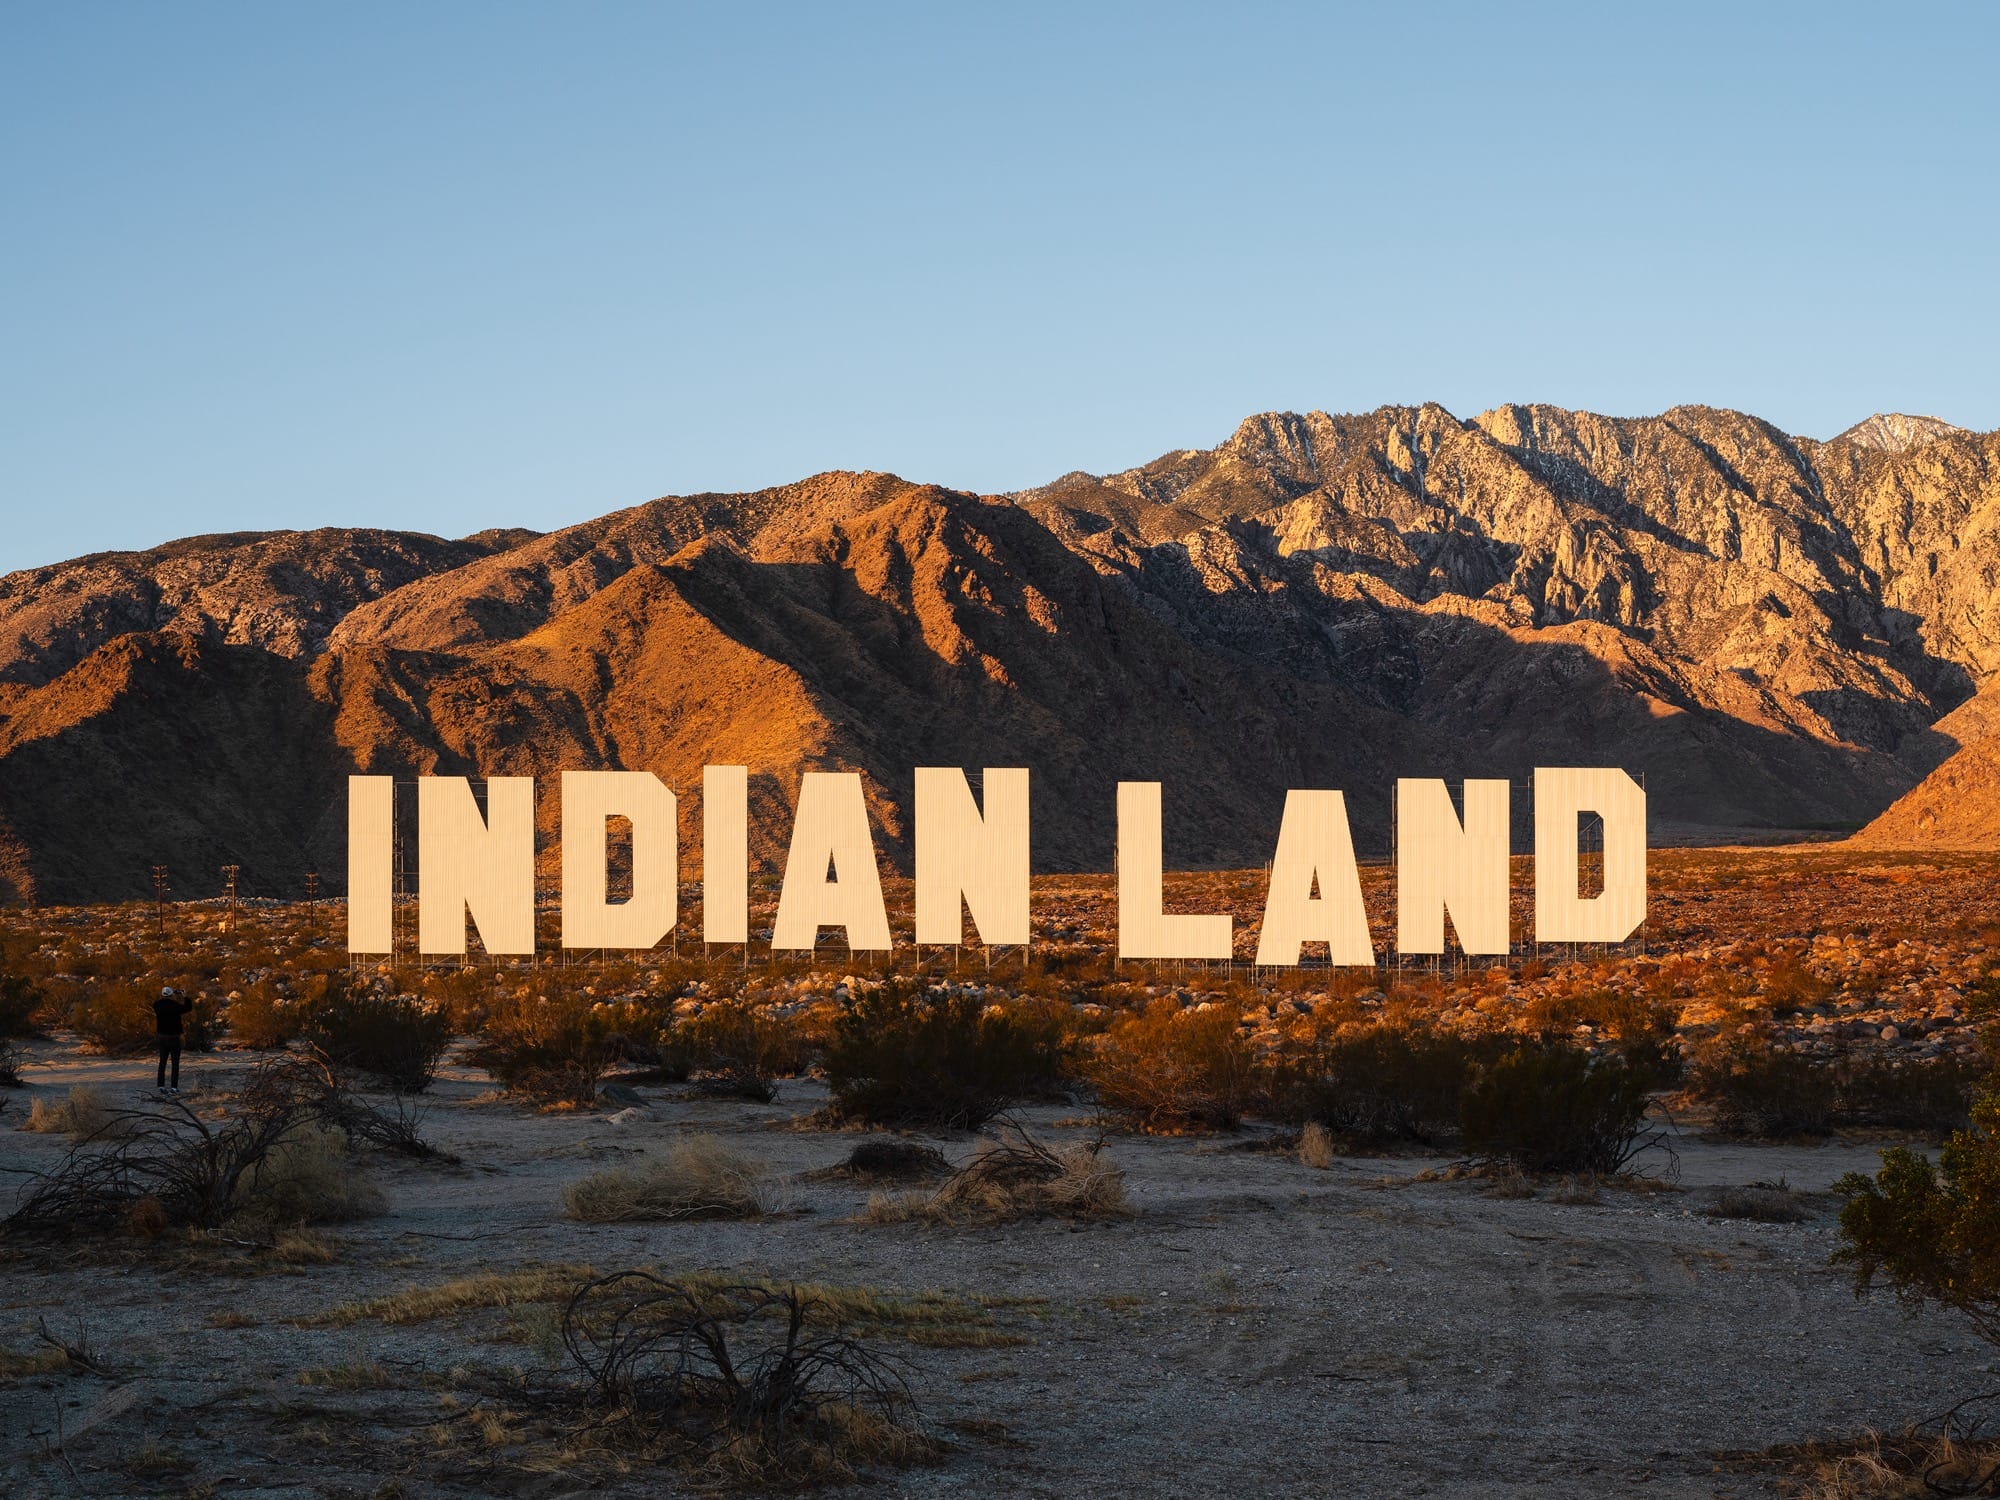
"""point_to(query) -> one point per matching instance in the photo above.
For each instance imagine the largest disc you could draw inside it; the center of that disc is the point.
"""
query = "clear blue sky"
(455, 266)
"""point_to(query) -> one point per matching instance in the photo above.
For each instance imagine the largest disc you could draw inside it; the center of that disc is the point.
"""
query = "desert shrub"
(1760, 1091)
(10, 1065)
(118, 1017)
(262, 1015)
(745, 1384)
(397, 1038)
(891, 1161)
(1931, 1230)
(82, 1113)
(1934, 1096)
(21, 1002)
(1379, 1083)
(699, 1177)
(1011, 1176)
(553, 1048)
(1170, 1069)
(166, 1166)
(1790, 985)
(307, 1177)
(738, 1051)
(1556, 1109)
(1613, 1013)
(1762, 1202)
(901, 1057)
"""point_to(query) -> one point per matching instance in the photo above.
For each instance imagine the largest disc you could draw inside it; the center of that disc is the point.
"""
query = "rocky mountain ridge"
(1775, 632)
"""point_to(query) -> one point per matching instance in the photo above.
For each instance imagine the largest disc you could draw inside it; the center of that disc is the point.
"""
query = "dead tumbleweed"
(275, 1154)
(735, 1381)
(1012, 1175)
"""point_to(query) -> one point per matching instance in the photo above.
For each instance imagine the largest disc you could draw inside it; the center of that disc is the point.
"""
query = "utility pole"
(312, 898)
(160, 897)
(229, 874)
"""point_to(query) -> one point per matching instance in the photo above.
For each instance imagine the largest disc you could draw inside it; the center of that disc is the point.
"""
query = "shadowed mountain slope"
(1774, 632)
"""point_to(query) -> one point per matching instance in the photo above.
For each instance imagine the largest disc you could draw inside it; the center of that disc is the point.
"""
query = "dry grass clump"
(1013, 1176)
(1316, 1146)
(1910, 1465)
(309, 1177)
(83, 1113)
(419, 1304)
(699, 1177)
(1763, 1203)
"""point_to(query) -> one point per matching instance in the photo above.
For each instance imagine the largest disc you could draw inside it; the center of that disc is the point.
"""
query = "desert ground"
(1388, 1320)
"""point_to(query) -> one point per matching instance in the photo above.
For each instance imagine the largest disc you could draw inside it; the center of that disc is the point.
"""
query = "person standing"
(168, 1012)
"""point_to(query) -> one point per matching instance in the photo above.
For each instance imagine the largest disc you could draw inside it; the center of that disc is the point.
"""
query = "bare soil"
(1256, 1327)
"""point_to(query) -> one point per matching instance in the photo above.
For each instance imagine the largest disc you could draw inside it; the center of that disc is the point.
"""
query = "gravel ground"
(1256, 1327)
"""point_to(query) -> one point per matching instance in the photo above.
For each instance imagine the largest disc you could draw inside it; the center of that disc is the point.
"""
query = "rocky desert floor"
(1256, 1326)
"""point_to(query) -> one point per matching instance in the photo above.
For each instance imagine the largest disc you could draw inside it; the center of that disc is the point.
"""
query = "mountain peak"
(1898, 432)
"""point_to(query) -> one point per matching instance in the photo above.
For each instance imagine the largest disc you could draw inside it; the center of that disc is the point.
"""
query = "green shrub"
(21, 1001)
(118, 1017)
(738, 1051)
(1931, 1231)
(1554, 1108)
(1390, 1082)
(397, 1038)
(1760, 1091)
(902, 1057)
(553, 1048)
(1173, 1069)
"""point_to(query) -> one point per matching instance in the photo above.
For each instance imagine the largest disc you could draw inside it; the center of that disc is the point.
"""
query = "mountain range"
(1780, 635)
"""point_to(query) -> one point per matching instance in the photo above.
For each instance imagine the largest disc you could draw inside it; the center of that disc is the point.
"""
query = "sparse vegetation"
(1387, 1082)
(1170, 1069)
(1931, 1230)
(397, 1038)
(698, 1177)
(1554, 1108)
(740, 1382)
(902, 1057)
(1013, 1176)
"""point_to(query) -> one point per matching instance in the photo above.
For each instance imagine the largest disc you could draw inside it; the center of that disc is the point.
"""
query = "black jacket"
(167, 1013)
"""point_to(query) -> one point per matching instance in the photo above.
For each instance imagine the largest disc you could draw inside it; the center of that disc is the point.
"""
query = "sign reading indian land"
(972, 859)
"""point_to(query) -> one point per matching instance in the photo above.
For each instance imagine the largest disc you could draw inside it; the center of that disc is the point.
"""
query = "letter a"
(1314, 841)
(831, 825)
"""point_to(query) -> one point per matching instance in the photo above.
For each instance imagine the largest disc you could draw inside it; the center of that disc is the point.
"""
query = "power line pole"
(312, 898)
(160, 897)
(229, 874)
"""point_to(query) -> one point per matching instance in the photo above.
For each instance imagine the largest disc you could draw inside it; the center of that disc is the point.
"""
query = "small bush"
(738, 1051)
(21, 1002)
(1932, 1230)
(891, 1161)
(553, 1048)
(83, 1113)
(744, 1384)
(10, 1065)
(900, 1057)
(307, 1177)
(263, 1016)
(397, 1038)
(118, 1018)
(1758, 1091)
(1394, 1082)
(698, 1178)
(1171, 1069)
(1555, 1109)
